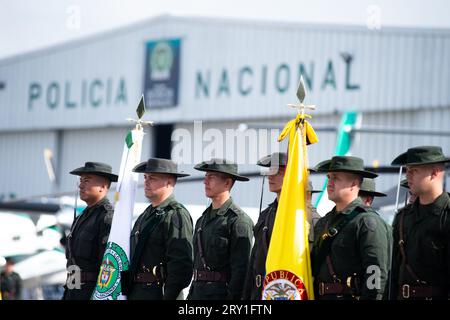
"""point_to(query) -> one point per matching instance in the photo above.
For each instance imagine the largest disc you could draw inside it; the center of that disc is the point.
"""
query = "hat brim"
(142, 168)
(110, 176)
(402, 160)
(372, 193)
(234, 176)
(362, 173)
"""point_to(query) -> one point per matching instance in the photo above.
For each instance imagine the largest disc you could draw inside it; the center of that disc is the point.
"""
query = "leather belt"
(210, 276)
(145, 277)
(427, 292)
(334, 289)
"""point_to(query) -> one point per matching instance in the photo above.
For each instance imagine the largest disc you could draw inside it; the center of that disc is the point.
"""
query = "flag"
(343, 142)
(117, 254)
(288, 264)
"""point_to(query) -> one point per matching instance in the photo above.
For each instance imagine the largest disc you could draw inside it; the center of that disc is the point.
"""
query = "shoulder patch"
(242, 230)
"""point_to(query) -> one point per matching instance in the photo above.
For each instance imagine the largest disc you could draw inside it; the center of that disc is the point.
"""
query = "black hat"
(421, 155)
(368, 188)
(221, 165)
(273, 161)
(311, 189)
(96, 168)
(349, 164)
(158, 165)
(322, 166)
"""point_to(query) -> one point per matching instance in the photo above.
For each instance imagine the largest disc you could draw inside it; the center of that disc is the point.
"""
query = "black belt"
(334, 289)
(145, 277)
(426, 292)
(210, 276)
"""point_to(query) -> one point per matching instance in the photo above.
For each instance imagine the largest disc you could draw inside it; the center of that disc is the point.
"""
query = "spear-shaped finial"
(140, 111)
(301, 94)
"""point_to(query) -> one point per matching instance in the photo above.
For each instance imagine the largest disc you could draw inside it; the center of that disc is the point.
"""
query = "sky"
(30, 25)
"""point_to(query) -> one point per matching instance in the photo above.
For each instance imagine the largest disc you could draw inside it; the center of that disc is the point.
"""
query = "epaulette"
(236, 210)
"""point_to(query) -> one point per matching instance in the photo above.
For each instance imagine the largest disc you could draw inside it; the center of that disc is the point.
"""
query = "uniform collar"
(165, 203)
(352, 206)
(225, 206)
(101, 203)
(437, 206)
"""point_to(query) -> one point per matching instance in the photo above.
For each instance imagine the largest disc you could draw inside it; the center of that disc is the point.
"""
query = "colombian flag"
(288, 264)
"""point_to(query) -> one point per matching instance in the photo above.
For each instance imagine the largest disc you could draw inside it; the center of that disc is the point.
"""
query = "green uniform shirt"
(169, 244)
(426, 232)
(361, 247)
(226, 241)
(86, 244)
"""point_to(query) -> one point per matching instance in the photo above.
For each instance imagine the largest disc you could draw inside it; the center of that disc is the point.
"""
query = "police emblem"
(108, 286)
(283, 285)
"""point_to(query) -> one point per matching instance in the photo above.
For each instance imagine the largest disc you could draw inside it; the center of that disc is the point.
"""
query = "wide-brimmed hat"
(420, 156)
(273, 162)
(223, 166)
(311, 189)
(368, 188)
(274, 159)
(348, 164)
(96, 168)
(159, 165)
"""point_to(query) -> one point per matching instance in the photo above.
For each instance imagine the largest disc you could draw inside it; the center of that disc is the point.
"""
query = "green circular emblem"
(161, 58)
(108, 282)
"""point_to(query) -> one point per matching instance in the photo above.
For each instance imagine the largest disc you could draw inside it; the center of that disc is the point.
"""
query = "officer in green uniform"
(256, 270)
(10, 282)
(368, 192)
(161, 239)
(350, 257)
(89, 233)
(421, 252)
(223, 237)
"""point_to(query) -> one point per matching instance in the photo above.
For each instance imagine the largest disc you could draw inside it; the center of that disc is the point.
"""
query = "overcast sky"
(26, 25)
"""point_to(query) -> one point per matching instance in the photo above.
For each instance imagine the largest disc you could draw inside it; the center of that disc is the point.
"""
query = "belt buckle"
(405, 291)
(321, 289)
(258, 281)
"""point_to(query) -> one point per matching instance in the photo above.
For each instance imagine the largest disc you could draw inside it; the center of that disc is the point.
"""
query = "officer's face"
(276, 180)
(419, 178)
(341, 186)
(216, 183)
(92, 188)
(156, 185)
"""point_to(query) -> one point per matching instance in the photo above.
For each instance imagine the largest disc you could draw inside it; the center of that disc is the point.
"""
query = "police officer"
(89, 233)
(10, 282)
(256, 270)
(368, 192)
(350, 256)
(223, 237)
(161, 239)
(421, 256)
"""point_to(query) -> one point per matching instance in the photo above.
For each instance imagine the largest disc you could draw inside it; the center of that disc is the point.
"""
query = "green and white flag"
(117, 254)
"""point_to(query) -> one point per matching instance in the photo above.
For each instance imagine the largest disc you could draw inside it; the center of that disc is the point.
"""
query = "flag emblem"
(108, 282)
(283, 285)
